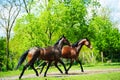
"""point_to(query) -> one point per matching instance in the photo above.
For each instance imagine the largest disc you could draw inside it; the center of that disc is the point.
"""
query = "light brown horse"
(72, 52)
(50, 54)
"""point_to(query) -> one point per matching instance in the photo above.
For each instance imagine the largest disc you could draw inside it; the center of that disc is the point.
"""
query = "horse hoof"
(66, 72)
(44, 75)
(19, 77)
(37, 74)
(61, 72)
(82, 71)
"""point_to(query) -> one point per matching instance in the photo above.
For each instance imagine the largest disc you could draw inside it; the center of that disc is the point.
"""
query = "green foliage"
(106, 37)
(74, 20)
(27, 34)
(3, 54)
(88, 56)
(54, 21)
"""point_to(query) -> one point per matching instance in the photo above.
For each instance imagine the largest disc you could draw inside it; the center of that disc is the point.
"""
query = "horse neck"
(79, 47)
(59, 45)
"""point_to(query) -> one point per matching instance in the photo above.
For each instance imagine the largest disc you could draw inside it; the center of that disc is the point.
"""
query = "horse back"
(49, 53)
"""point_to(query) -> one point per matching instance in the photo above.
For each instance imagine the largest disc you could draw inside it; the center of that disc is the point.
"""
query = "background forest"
(42, 22)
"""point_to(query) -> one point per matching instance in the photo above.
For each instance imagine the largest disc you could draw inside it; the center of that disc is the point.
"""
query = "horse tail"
(22, 58)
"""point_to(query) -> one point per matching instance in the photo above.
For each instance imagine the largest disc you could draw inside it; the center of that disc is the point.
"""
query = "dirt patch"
(71, 73)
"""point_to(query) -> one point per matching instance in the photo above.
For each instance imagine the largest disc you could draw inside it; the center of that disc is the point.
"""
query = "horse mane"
(57, 42)
(76, 44)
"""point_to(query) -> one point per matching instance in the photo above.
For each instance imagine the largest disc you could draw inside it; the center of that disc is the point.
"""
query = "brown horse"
(72, 52)
(50, 54)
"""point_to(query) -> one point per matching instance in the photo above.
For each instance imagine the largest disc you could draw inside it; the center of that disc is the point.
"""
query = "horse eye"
(65, 40)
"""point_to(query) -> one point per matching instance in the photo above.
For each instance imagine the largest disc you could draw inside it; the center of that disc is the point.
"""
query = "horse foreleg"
(80, 64)
(71, 62)
(49, 63)
(58, 67)
(63, 66)
(34, 70)
(43, 67)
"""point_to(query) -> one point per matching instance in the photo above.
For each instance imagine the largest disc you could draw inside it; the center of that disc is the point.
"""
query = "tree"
(57, 18)
(106, 37)
(9, 11)
(2, 52)
(27, 8)
(67, 17)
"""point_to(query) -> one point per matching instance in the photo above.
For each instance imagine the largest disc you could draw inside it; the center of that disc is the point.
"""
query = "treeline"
(71, 18)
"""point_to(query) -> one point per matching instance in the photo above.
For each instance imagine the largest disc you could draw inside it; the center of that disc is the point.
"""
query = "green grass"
(14, 73)
(102, 66)
(103, 76)
(74, 67)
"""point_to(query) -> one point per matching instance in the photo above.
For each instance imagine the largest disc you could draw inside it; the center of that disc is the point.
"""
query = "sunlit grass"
(53, 69)
(101, 76)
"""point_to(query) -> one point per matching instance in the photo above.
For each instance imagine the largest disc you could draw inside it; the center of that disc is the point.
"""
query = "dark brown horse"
(72, 52)
(50, 54)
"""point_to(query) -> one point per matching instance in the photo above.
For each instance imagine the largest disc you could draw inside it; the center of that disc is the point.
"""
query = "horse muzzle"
(90, 47)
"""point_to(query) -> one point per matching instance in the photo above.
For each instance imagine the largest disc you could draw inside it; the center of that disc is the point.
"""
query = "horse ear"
(86, 38)
(63, 36)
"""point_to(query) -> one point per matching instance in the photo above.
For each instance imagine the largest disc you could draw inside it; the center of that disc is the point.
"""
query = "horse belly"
(51, 58)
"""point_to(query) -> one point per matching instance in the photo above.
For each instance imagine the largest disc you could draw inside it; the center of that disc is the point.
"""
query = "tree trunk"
(102, 57)
(12, 8)
(7, 50)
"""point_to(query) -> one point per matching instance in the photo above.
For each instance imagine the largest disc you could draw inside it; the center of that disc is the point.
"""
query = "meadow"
(115, 75)
(101, 76)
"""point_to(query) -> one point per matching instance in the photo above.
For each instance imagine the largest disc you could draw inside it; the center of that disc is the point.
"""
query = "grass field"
(100, 76)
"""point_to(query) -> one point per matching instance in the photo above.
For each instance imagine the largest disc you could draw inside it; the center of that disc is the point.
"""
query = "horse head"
(86, 42)
(62, 41)
(65, 40)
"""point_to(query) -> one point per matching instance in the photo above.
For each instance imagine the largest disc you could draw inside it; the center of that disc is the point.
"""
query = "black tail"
(22, 58)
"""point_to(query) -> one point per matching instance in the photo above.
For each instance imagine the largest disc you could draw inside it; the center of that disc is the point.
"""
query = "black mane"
(57, 42)
(75, 44)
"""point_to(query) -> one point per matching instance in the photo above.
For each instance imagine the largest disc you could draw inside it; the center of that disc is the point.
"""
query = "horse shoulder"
(65, 49)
